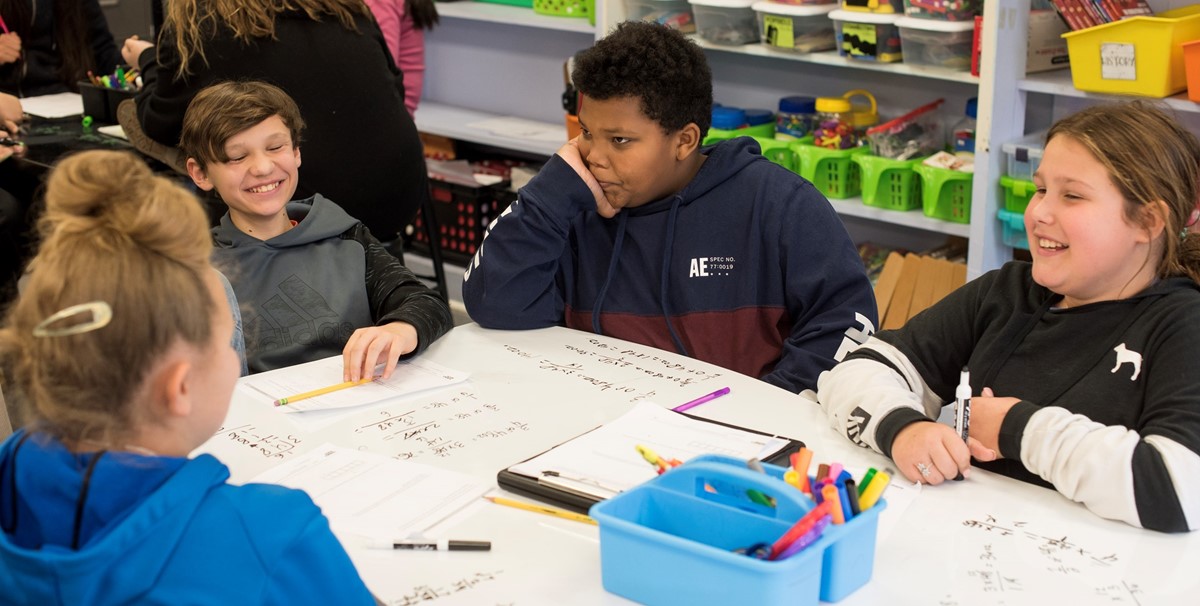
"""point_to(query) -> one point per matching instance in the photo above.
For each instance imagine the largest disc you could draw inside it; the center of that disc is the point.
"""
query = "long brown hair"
(1149, 157)
(112, 233)
(71, 38)
(187, 23)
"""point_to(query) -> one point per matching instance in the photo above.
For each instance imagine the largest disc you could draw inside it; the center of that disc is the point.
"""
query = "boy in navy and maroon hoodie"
(635, 231)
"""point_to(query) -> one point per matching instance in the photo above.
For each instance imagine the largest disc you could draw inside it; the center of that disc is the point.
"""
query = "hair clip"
(101, 316)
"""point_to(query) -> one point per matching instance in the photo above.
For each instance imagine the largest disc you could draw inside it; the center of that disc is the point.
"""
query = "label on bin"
(1118, 61)
(778, 31)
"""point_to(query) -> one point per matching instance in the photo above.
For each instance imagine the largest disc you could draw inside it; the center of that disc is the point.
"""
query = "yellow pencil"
(320, 392)
(562, 513)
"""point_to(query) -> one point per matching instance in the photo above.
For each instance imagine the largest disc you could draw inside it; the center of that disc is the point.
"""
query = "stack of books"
(1082, 14)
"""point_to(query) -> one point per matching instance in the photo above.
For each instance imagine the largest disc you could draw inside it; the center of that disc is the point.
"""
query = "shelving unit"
(481, 47)
(1012, 103)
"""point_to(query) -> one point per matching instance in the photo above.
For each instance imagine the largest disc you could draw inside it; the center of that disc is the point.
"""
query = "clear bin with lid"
(936, 43)
(672, 13)
(1024, 155)
(945, 10)
(730, 22)
(834, 129)
(796, 117)
(798, 28)
(868, 36)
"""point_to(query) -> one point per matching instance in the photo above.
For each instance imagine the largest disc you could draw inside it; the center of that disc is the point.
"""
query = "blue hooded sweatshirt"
(122, 528)
(748, 267)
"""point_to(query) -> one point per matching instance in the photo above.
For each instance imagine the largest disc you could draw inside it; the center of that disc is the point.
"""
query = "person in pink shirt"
(403, 22)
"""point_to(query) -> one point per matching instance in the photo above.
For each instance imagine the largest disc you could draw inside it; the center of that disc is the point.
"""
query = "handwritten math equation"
(269, 445)
(440, 427)
(429, 593)
(1051, 557)
(631, 363)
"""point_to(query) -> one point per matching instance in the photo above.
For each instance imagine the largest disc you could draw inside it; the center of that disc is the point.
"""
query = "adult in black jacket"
(364, 152)
(52, 44)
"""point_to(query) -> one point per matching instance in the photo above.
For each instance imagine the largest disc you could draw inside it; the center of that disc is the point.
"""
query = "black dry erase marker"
(440, 545)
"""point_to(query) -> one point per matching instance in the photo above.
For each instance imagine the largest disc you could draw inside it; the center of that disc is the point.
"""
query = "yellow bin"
(1136, 56)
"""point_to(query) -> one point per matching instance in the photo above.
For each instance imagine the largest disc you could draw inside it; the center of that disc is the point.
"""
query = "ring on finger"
(923, 469)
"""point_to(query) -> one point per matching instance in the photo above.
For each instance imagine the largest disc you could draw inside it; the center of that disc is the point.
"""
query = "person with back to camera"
(1083, 360)
(329, 56)
(633, 230)
(48, 46)
(403, 23)
(119, 347)
(311, 280)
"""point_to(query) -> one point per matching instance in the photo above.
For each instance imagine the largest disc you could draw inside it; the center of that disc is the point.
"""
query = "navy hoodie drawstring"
(666, 266)
(612, 270)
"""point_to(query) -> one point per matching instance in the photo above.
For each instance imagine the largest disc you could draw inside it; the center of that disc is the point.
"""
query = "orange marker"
(830, 495)
(800, 464)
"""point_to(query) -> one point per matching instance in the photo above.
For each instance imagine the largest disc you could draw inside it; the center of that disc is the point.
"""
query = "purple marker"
(702, 399)
(809, 538)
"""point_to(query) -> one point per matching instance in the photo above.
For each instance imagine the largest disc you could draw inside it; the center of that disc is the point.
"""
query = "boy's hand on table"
(10, 47)
(132, 49)
(375, 345)
(570, 152)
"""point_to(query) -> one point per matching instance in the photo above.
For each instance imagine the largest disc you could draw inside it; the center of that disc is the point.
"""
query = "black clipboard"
(580, 502)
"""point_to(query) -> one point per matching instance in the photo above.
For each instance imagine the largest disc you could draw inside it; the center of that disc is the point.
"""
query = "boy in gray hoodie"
(311, 280)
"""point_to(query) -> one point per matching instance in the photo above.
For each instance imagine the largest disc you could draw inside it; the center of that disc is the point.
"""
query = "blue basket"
(670, 541)
(1014, 228)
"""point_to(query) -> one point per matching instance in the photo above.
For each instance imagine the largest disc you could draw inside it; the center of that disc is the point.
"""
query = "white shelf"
(454, 122)
(854, 207)
(1059, 82)
(512, 15)
(834, 59)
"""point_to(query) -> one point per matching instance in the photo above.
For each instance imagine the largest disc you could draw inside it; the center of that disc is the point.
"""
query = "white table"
(988, 540)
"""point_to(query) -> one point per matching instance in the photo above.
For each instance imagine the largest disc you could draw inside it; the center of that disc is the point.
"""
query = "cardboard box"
(911, 284)
(1046, 48)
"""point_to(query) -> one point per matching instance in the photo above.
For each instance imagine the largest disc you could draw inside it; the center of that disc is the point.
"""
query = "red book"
(1067, 13)
(1133, 8)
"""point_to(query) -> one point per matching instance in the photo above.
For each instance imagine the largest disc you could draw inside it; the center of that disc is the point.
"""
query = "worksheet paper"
(605, 461)
(59, 105)
(410, 376)
(370, 497)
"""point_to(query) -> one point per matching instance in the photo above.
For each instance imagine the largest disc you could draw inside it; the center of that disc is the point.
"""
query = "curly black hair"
(654, 63)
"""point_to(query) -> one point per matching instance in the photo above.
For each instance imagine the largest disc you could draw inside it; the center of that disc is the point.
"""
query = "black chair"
(429, 221)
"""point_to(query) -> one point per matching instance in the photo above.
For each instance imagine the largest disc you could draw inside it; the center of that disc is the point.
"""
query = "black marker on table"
(439, 545)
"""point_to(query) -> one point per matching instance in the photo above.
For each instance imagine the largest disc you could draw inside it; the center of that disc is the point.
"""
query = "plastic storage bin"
(781, 152)
(831, 170)
(463, 213)
(946, 10)
(945, 193)
(1017, 193)
(522, 3)
(1024, 155)
(669, 541)
(869, 36)
(885, 7)
(1191, 65)
(889, 184)
(1013, 227)
(730, 22)
(802, 28)
(567, 8)
(937, 43)
(1135, 56)
(673, 13)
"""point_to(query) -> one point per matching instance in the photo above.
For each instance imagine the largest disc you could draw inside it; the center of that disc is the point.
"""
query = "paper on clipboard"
(410, 376)
(605, 461)
(58, 105)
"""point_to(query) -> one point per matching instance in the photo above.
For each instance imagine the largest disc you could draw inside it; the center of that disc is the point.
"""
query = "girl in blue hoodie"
(119, 350)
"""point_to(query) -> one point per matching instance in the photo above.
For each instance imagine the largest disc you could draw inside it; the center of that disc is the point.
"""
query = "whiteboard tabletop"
(989, 540)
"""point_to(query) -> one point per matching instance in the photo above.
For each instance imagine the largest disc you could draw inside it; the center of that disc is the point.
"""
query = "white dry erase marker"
(962, 404)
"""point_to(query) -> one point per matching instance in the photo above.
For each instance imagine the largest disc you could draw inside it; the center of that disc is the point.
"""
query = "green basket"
(521, 3)
(946, 193)
(831, 170)
(889, 184)
(1017, 193)
(585, 9)
(758, 131)
(781, 152)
